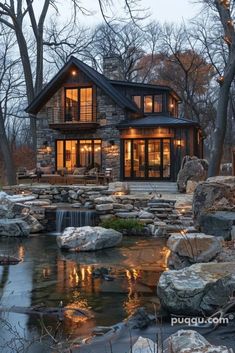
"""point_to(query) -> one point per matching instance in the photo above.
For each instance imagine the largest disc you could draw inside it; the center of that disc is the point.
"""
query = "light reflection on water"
(49, 276)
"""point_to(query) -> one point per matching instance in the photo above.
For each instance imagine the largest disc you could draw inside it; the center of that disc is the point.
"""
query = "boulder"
(198, 289)
(119, 188)
(144, 345)
(190, 248)
(191, 186)
(14, 228)
(215, 194)
(191, 341)
(88, 238)
(218, 223)
(192, 168)
(35, 226)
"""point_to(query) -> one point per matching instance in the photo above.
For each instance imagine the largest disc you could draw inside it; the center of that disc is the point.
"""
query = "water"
(74, 218)
(47, 275)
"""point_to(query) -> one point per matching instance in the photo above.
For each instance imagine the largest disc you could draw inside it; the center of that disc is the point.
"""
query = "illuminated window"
(153, 104)
(85, 104)
(137, 100)
(78, 153)
(71, 104)
(157, 103)
(78, 104)
(60, 154)
(148, 104)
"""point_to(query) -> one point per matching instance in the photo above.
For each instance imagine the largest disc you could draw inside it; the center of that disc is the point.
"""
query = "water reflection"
(50, 276)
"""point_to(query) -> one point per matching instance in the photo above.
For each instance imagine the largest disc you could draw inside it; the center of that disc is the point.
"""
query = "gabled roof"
(156, 120)
(94, 76)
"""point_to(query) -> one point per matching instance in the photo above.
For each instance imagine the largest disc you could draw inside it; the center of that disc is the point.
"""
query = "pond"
(53, 278)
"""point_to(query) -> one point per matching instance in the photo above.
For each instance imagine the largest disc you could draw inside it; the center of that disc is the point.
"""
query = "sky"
(160, 10)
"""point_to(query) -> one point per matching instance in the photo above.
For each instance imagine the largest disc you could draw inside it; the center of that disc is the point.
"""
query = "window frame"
(78, 88)
(77, 154)
(153, 103)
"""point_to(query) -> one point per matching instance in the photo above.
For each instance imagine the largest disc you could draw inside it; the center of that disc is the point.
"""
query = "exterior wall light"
(74, 73)
(178, 143)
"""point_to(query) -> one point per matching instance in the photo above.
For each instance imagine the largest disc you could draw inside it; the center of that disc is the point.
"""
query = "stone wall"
(160, 217)
(109, 114)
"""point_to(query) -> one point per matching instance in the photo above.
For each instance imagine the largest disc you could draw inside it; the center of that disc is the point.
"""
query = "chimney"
(113, 67)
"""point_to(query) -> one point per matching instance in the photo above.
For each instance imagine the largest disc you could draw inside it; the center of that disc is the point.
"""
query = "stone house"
(88, 119)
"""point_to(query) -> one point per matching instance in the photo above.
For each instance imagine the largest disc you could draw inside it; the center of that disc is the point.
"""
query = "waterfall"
(74, 218)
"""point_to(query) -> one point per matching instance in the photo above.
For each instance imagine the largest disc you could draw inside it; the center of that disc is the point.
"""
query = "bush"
(123, 225)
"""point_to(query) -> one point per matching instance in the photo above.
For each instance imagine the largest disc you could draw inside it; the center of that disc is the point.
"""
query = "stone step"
(148, 187)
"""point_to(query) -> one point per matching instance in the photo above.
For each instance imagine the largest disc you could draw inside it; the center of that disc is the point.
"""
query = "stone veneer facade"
(109, 114)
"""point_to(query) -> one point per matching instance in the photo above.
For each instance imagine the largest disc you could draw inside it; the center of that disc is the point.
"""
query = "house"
(88, 119)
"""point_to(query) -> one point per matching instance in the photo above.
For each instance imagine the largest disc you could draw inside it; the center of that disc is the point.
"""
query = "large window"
(78, 104)
(78, 153)
(153, 103)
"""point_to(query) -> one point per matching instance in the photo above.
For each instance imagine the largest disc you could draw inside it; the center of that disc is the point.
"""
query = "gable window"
(153, 103)
(78, 104)
(137, 100)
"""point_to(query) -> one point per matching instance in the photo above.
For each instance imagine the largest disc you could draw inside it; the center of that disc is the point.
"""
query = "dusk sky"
(160, 10)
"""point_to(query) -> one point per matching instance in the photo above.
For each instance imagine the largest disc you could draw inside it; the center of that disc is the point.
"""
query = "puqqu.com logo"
(194, 321)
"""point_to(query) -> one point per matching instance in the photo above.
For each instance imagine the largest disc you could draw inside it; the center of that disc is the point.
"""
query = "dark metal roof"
(144, 85)
(95, 77)
(156, 120)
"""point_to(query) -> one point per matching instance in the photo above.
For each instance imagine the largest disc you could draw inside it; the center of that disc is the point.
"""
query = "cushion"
(79, 171)
(92, 171)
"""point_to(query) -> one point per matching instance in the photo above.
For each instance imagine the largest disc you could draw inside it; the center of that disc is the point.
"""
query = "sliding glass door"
(147, 159)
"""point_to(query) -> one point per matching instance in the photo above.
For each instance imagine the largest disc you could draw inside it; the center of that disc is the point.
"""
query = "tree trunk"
(6, 153)
(28, 79)
(221, 122)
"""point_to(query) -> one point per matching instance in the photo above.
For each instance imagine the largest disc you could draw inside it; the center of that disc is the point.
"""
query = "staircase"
(152, 186)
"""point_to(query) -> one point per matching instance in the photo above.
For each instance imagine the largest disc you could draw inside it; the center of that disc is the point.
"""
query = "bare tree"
(220, 48)
(10, 93)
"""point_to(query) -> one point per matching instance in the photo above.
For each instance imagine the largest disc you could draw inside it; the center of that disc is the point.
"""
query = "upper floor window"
(78, 104)
(173, 106)
(153, 103)
(137, 100)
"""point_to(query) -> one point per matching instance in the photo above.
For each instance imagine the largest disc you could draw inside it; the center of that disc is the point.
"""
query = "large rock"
(192, 168)
(215, 194)
(34, 224)
(190, 248)
(191, 342)
(88, 238)
(144, 345)
(14, 228)
(198, 289)
(218, 223)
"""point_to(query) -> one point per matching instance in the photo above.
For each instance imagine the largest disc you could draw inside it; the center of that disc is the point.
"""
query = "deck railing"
(58, 116)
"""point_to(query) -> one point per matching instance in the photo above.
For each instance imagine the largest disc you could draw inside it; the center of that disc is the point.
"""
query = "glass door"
(166, 158)
(154, 158)
(147, 158)
(139, 158)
